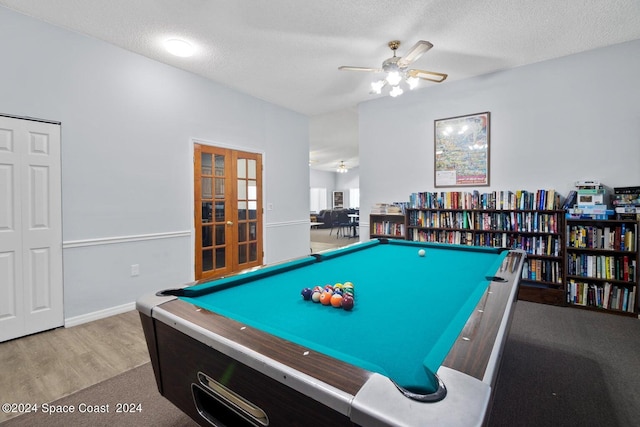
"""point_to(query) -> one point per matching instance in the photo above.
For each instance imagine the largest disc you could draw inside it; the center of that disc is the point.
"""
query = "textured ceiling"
(288, 52)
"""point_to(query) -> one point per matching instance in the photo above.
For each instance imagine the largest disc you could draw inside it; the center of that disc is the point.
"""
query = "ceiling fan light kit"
(396, 70)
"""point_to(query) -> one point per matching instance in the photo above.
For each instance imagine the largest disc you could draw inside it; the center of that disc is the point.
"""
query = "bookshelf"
(387, 225)
(531, 221)
(602, 265)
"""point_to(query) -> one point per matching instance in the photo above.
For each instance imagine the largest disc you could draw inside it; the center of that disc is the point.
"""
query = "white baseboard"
(97, 315)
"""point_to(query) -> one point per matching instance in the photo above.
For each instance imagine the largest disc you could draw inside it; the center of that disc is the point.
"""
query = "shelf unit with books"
(602, 265)
(387, 225)
(531, 221)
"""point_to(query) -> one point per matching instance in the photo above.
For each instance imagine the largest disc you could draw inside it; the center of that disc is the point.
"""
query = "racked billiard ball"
(347, 302)
(306, 294)
(325, 297)
(336, 300)
(315, 296)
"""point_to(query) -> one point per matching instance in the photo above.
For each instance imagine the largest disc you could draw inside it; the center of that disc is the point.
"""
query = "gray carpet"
(561, 367)
(569, 367)
(136, 386)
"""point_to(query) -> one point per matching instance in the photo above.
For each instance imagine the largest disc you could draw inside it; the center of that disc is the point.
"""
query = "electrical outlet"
(135, 270)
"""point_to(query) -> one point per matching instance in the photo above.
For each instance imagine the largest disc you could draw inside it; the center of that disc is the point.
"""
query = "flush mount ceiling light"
(179, 47)
(342, 168)
(395, 70)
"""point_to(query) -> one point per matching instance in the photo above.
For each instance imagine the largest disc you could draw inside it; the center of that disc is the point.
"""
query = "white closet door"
(31, 291)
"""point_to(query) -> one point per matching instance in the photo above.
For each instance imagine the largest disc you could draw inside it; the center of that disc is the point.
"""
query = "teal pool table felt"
(408, 309)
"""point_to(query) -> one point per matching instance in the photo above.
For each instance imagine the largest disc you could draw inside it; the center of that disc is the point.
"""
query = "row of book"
(514, 221)
(442, 236)
(536, 245)
(626, 196)
(602, 267)
(626, 202)
(622, 237)
(388, 209)
(498, 200)
(389, 228)
(533, 245)
(625, 199)
(605, 296)
(541, 270)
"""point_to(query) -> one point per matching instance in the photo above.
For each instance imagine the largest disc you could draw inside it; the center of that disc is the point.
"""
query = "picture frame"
(461, 150)
(338, 200)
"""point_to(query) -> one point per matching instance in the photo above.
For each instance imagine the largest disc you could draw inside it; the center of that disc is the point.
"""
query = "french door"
(228, 211)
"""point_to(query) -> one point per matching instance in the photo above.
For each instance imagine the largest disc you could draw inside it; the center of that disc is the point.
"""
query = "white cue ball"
(421, 252)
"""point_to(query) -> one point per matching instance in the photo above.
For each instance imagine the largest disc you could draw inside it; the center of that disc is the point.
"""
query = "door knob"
(229, 222)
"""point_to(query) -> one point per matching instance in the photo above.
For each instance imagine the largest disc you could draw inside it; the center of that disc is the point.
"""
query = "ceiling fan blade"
(348, 68)
(428, 75)
(416, 51)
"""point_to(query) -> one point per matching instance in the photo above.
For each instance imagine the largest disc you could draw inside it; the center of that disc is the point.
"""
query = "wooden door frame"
(227, 146)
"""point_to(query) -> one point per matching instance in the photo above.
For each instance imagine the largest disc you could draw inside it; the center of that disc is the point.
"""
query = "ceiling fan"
(397, 69)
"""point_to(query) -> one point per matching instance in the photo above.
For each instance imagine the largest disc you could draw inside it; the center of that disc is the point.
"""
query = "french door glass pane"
(206, 188)
(242, 189)
(253, 188)
(251, 168)
(242, 211)
(206, 212)
(242, 232)
(219, 165)
(253, 231)
(219, 211)
(220, 237)
(253, 251)
(242, 254)
(242, 168)
(207, 236)
(207, 260)
(205, 168)
(253, 209)
(219, 188)
(220, 261)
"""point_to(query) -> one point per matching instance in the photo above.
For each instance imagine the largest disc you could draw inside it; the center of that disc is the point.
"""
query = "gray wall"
(128, 125)
(334, 181)
(552, 123)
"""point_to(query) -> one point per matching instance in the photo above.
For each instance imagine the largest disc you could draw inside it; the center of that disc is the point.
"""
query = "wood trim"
(231, 246)
(339, 374)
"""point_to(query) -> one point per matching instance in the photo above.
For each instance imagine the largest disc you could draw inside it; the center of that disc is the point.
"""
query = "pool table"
(421, 346)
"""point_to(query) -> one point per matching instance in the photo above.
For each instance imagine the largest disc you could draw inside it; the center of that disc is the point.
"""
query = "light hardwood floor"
(43, 367)
(321, 240)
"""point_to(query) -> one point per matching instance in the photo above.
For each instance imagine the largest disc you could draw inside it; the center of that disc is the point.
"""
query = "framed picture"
(462, 151)
(338, 200)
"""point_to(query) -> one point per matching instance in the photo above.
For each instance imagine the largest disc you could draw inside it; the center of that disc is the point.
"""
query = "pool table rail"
(478, 347)
(284, 361)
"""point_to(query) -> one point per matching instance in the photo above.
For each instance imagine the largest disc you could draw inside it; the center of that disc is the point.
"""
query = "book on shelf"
(627, 190)
(570, 200)
(628, 213)
(625, 199)
(589, 212)
(388, 228)
(387, 209)
(605, 296)
(495, 200)
(616, 237)
(608, 267)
